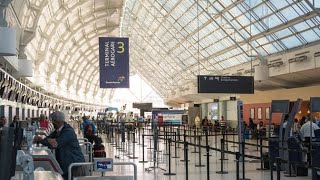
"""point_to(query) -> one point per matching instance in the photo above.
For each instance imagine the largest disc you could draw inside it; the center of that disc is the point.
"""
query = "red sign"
(160, 120)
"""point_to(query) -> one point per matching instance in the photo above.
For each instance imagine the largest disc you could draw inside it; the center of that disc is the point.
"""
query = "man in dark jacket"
(65, 143)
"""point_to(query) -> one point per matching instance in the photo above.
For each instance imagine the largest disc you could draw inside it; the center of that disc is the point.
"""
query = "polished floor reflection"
(178, 167)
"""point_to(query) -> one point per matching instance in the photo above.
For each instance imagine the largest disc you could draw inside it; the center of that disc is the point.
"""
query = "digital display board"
(226, 84)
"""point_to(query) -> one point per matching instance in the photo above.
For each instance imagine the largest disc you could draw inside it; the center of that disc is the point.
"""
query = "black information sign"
(226, 84)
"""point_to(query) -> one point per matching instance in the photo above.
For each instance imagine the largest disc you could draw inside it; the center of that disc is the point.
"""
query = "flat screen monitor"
(226, 84)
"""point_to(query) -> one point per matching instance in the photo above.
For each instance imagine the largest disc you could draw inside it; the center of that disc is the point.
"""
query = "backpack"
(98, 148)
(88, 130)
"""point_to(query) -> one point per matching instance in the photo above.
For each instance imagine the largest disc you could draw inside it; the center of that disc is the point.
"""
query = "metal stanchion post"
(166, 142)
(278, 161)
(195, 142)
(216, 140)
(243, 163)
(208, 157)
(133, 147)
(237, 165)
(207, 143)
(199, 143)
(175, 148)
(185, 145)
(233, 134)
(169, 173)
(179, 140)
(186, 158)
(139, 135)
(222, 148)
(261, 156)
(221, 160)
(143, 161)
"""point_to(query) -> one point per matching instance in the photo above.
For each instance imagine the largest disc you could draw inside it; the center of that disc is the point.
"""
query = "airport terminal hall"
(159, 89)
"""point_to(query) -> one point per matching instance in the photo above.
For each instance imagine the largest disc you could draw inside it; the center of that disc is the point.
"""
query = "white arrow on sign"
(205, 78)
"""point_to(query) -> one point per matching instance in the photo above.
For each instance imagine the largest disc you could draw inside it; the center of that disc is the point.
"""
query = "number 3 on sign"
(121, 47)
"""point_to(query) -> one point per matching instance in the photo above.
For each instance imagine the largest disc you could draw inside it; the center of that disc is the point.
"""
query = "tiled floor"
(194, 172)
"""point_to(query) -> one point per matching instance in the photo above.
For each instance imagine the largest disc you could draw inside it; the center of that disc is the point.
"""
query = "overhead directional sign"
(226, 84)
(114, 62)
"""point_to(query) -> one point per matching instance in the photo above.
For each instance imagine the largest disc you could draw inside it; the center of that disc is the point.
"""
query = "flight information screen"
(226, 84)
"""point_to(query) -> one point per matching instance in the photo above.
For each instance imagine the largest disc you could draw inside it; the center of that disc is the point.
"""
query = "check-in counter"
(39, 175)
(105, 178)
(44, 158)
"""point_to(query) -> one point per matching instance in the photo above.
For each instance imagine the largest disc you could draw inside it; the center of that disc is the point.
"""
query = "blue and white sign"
(114, 62)
(170, 117)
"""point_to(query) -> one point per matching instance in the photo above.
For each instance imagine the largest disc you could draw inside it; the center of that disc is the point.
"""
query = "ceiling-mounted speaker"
(261, 72)
(8, 41)
(25, 68)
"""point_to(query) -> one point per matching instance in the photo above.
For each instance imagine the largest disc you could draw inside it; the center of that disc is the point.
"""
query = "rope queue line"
(171, 138)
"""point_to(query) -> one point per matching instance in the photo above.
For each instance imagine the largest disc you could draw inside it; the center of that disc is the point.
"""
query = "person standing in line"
(89, 129)
(15, 120)
(3, 121)
(43, 122)
(296, 126)
(197, 122)
(302, 121)
(251, 128)
(222, 123)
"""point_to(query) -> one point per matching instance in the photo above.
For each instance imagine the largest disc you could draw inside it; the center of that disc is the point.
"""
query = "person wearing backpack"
(88, 129)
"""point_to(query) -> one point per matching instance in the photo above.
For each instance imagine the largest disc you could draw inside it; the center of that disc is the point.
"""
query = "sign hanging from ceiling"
(226, 84)
(114, 62)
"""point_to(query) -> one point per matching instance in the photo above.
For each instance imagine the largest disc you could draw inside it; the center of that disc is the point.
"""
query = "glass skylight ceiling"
(175, 40)
(171, 41)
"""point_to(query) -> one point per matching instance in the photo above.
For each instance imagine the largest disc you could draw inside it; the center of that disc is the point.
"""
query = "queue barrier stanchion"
(166, 142)
(199, 143)
(237, 166)
(243, 163)
(133, 147)
(216, 140)
(179, 140)
(186, 159)
(143, 161)
(221, 160)
(233, 139)
(261, 156)
(278, 164)
(185, 146)
(207, 143)
(226, 138)
(139, 135)
(195, 142)
(175, 148)
(258, 137)
(169, 173)
(208, 156)
(222, 149)
(150, 146)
